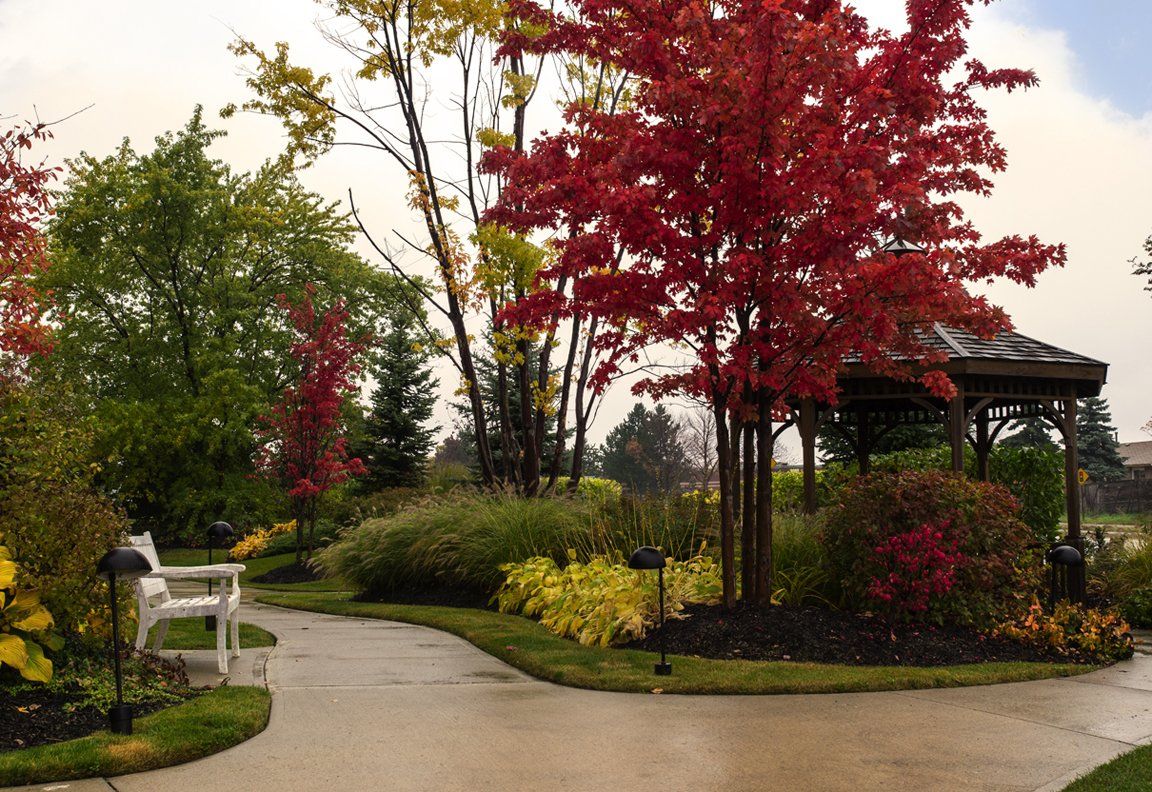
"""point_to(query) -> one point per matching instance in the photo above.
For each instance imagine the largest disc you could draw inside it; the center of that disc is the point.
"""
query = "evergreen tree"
(1096, 441)
(397, 439)
(1030, 433)
(834, 447)
(645, 452)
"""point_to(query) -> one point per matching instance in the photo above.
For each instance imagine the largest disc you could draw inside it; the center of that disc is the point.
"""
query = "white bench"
(224, 604)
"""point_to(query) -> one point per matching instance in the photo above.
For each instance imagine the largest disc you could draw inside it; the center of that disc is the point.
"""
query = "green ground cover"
(204, 725)
(185, 634)
(526, 645)
(255, 568)
(1131, 772)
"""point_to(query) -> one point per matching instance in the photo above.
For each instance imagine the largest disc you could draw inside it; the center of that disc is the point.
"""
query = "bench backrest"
(149, 586)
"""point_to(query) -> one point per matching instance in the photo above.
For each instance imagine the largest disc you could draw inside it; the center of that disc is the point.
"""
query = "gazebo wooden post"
(863, 442)
(957, 428)
(983, 445)
(807, 429)
(1076, 587)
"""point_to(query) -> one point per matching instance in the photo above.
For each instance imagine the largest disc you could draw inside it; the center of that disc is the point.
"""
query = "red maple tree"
(769, 150)
(24, 207)
(302, 442)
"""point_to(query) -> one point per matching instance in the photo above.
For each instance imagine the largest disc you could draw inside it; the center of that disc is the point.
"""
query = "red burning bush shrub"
(932, 546)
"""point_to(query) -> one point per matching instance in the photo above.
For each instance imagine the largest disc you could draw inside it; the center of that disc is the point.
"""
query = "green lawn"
(256, 567)
(523, 643)
(204, 725)
(1128, 518)
(1131, 772)
(190, 634)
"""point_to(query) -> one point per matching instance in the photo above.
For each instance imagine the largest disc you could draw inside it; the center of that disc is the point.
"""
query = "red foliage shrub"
(919, 565)
(933, 546)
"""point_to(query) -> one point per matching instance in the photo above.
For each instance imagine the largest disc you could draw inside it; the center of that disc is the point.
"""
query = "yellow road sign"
(1082, 476)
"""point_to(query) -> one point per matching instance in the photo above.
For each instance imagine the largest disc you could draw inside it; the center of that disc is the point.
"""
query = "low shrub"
(1120, 573)
(1136, 608)
(1034, 476)
(593, 488)
(52, 516)
(915, 568)
(995, 567)
(255, 543)
(1075, 631)
(603, 602)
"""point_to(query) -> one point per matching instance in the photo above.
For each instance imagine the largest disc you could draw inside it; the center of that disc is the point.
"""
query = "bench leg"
(221, 643)
(236, 633)
(161, 632)
(142, 633)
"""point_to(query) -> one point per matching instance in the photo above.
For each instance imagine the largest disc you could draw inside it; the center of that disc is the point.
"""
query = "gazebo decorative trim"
(997, 381)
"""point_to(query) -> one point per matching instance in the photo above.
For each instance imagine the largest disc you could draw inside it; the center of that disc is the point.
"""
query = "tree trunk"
(298, 516)
(727, 529)
(748, 517)
(764, 442)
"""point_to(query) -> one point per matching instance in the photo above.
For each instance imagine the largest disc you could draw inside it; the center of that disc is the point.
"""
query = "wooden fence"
(1116, 497)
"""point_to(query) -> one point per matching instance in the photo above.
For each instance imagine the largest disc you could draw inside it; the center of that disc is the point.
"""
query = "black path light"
(121, 563)
(1062, 559)
(650, 558)
(218, 531)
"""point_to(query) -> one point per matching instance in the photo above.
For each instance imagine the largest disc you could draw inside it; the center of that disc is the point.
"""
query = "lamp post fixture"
(124, 563)
(650, 558)
(1062, 558)
(901, 247)
(217, 531)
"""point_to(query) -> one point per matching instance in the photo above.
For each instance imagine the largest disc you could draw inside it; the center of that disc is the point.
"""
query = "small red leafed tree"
(303, 443)
(736, 208)
(24, 207)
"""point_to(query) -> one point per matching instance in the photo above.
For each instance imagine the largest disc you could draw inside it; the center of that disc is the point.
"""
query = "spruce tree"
(1030, 433)
(1096, 441)
(645, 451)
(397, 439)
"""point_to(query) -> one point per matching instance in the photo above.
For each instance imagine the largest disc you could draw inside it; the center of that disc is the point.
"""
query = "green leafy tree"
(1096, 441)
(396, 438)
(168, 266)
(645, 452)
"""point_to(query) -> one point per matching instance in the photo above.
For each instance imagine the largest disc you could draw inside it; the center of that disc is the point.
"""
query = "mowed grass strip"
(201, 726)
(187, 634)
(1131, 772)
(255, 568)
(523, 643)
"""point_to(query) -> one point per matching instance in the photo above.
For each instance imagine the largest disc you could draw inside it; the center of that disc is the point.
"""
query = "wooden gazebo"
(997, 381)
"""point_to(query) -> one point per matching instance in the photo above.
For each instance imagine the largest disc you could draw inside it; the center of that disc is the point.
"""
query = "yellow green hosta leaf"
(38, 668)
(13, 651)
(7, 572)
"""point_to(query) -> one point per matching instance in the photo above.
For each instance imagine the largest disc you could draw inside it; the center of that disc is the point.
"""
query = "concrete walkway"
(371, 705)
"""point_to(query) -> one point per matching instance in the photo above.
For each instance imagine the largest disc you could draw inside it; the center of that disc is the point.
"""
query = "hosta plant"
(24, 625)
(603, 602)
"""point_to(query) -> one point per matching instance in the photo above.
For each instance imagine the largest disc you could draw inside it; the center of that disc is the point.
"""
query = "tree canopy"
(168, 267)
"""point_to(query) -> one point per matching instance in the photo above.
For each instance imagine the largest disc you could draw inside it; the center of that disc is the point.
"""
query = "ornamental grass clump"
(890, 530)
(603, 602)
(457, 540)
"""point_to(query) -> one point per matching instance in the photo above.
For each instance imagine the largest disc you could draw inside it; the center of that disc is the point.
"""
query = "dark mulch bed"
(289, 573)
(37, 717)
(819, 635)
(444, 596)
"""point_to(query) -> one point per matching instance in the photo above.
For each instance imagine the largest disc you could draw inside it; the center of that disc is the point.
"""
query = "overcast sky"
(1080, 145)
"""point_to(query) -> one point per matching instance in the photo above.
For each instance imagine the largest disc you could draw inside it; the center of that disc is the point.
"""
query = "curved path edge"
(363, 704)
